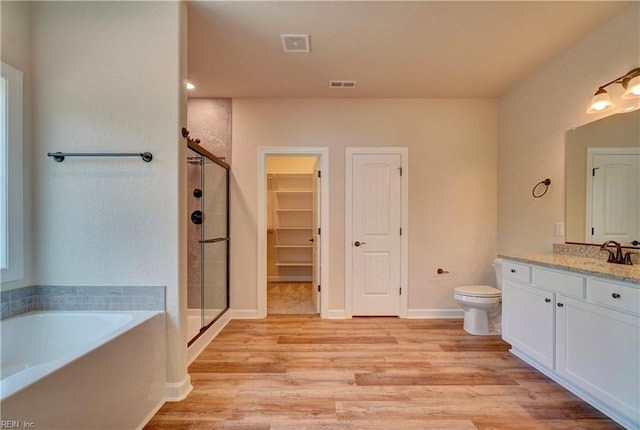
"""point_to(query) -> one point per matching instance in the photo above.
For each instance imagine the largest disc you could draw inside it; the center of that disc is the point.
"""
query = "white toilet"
(482, 305)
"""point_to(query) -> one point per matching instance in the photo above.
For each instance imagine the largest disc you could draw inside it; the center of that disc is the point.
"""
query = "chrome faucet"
(617, 256)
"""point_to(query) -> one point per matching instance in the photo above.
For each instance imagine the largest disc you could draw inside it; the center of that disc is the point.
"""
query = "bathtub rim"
(19, 381)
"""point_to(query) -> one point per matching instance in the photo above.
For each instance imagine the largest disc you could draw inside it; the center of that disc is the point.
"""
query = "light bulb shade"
(633, 88)
(600, 102)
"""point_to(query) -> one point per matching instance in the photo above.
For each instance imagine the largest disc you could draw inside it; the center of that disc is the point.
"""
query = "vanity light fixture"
(630, 82)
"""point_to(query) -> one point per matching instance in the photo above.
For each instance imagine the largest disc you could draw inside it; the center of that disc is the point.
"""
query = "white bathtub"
(82, 370)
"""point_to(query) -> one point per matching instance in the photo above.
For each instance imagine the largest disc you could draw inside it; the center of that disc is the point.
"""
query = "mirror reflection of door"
(613, 195)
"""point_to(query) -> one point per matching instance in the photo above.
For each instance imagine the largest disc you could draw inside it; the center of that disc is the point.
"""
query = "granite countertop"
(584, 265)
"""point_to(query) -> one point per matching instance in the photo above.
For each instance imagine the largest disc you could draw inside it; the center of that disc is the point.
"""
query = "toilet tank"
(497, 265)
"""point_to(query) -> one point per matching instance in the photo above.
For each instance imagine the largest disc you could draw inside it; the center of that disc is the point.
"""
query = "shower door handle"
(220, 239)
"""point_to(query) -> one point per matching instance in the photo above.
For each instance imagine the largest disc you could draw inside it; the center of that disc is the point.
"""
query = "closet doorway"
(293, 204)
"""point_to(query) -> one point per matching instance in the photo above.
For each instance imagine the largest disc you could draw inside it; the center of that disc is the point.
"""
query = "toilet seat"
(483, 291)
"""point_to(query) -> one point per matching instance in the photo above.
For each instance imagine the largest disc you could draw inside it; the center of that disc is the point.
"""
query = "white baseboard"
(337, 315)
(176, 391)
(244, 314)
(203, 341)
(435, 313)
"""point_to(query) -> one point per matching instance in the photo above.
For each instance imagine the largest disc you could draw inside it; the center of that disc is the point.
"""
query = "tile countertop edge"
(583, 265)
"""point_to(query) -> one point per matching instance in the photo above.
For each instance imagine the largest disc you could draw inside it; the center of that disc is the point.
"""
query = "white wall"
(533, 118)
(16, 51)
(452, 184)
(108, 78)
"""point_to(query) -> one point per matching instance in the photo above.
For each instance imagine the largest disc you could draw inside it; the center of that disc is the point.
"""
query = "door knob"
(358, 243)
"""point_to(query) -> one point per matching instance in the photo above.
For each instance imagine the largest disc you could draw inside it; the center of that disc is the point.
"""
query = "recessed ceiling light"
(295, 42)
(190, 86)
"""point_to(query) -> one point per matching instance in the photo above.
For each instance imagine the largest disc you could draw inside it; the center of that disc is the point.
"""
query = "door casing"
(323, 165)
(404, 203)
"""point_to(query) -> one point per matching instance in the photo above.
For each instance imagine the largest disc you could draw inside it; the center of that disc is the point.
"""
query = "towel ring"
(546, 184)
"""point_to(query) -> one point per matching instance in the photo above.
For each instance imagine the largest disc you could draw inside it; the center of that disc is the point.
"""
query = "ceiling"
(430, 49)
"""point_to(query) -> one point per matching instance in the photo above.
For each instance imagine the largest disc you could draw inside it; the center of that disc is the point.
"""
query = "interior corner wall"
(533, 117)
(452, 184)
(107, 78)
(16, 51)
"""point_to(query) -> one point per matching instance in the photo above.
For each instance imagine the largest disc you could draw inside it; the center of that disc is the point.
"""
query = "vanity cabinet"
(597, 350)
(528, 321)
(582, 331)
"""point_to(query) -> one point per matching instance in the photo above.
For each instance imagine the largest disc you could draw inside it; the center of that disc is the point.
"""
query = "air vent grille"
(295, 42)
(342, 84)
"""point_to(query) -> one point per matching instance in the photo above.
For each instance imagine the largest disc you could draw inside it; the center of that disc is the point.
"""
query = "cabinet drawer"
(614, 295)
(561, 282)
(517, 272)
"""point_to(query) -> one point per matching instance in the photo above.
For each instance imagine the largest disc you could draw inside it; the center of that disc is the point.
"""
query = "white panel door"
(376, 240)
(615, 199)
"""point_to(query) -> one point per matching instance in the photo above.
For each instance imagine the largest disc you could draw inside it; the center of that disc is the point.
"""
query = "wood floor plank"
(340, 340)
(435, 378)
(210, 366)
(305, 373)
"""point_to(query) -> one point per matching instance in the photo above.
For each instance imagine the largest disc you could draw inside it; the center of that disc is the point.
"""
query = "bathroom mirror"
(602, 164)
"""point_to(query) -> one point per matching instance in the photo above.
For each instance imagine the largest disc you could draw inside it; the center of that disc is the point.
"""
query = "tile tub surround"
(584, 265)
(82, 298)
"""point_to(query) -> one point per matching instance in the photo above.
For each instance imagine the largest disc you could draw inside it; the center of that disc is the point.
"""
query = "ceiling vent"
(342, 84)
(295, 42)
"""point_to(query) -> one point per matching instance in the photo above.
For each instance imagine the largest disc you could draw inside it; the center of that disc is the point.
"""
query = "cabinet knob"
(615, 295)
(513, 270)
(547, 300)
(560, 305)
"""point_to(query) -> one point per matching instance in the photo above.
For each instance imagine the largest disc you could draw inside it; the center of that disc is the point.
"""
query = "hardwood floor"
(302, 372)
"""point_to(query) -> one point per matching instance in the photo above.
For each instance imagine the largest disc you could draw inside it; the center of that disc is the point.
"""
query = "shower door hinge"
(318, 287)
(319, 174)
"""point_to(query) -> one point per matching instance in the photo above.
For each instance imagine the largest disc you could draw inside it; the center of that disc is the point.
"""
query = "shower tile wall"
(194, 275)
(210, 121)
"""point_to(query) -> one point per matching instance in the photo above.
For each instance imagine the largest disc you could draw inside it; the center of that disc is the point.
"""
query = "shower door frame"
(203, 152)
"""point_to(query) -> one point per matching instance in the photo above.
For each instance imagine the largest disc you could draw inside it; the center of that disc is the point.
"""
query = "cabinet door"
(598, 350)
(528, 321)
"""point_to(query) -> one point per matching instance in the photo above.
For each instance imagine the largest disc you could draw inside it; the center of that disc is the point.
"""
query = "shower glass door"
(212, 219)
(215, 240)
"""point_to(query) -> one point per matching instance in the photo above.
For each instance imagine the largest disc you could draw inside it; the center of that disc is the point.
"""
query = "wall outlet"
(559, 229)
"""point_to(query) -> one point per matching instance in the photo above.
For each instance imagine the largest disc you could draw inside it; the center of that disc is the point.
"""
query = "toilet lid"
(478, 291)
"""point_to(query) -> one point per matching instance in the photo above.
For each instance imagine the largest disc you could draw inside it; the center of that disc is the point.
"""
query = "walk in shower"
(208, 239)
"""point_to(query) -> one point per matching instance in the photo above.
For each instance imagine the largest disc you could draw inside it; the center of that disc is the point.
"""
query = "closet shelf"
(295, 264)
(295, 246)
(290, 192)
(292, 212)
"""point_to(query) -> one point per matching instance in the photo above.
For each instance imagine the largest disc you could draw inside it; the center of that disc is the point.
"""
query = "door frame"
(403, 151)
(323, 162)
